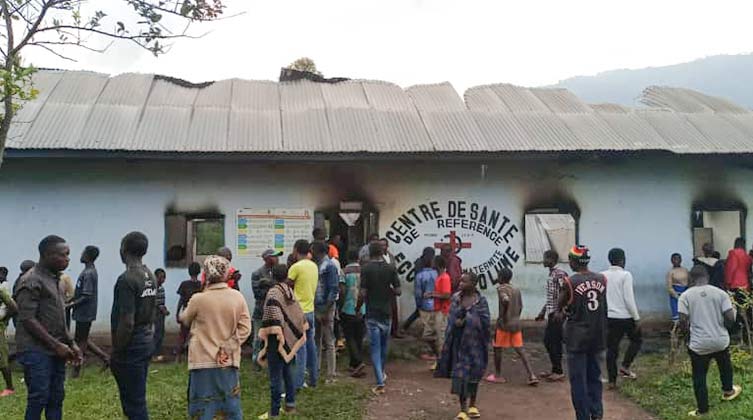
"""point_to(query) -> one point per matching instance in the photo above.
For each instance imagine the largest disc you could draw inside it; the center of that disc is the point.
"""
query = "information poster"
(262, 229)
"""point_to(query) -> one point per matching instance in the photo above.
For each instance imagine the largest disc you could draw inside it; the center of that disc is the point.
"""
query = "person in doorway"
(132, 317)
(352, 321)
(454, 264)
(283, 333)
(706, 313)
(428, 254)
(186, 290)
(304, 275)
(583, 301)
(711, 261)
(677, 284)
(325, 307)
(43, 343)
(8, 309)
(363, 253)
(423, 293)
(84, 305)
(737, 271)
(509, 332)
(466, 350)
(553, 333)
(162, 313)
(220, 323)
(622, 317)
(261, 282)
(379, 285)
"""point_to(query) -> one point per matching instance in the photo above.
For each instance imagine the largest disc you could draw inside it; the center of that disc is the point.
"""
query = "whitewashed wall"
(641, 204)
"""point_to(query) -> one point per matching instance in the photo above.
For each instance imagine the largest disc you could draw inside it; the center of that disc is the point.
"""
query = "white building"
(505, 172)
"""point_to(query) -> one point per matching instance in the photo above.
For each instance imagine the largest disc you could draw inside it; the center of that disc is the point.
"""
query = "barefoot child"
(509, 332)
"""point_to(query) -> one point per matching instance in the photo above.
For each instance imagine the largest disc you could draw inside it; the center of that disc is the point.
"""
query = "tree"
(58, 25)
(304, 64)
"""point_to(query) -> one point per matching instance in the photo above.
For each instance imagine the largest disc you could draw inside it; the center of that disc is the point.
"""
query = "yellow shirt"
(305, 275)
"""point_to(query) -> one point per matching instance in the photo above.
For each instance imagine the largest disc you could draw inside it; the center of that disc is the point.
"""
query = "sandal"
(533, 381)
(736, 391)
(695, 413)
(495, 380)
(462, 416)
(474, 413)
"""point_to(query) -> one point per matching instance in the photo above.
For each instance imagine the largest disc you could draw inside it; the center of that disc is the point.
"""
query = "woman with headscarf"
(220, 323)
(466, 350)
(283, 331)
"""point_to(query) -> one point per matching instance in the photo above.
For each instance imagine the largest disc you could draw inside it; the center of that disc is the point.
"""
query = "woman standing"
(283, 331)
(220, 322)
(466, 350)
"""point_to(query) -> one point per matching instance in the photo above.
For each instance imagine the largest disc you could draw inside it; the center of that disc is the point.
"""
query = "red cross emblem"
(456, 243)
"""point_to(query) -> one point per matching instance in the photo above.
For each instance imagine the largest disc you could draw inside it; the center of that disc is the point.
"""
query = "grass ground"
(94, 396)
(668, 391)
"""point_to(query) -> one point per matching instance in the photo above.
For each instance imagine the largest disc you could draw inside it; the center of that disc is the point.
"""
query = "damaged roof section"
(148, 113)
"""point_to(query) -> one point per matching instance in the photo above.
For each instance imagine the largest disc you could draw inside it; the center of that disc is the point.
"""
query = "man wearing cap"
(583, 300)
(261, 282)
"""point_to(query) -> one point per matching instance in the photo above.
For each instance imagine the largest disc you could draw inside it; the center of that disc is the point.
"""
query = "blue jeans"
(45, 381)
(213, 393)
(379, 334)
(280, 376)
(585, 384)
(306, 358)
(130, 369)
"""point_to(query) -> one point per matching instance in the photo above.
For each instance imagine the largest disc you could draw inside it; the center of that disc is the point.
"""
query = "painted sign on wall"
(482, 236)
(261, 229)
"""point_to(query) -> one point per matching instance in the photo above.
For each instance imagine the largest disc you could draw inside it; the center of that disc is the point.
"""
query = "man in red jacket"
(737, 274)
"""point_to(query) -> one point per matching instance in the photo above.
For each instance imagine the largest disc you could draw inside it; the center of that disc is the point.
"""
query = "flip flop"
(495, 380)
(462, 416)
(474, 413)
(736, 391)
(533, 381)
(695, 413)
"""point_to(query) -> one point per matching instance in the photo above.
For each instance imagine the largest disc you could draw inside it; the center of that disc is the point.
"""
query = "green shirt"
(305, 276)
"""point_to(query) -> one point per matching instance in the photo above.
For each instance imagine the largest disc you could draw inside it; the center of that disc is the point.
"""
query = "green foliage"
(17, 84)
(304, 64)
(669, 392)
(94, 396)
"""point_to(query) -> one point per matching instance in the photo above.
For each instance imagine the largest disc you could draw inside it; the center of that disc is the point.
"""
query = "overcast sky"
(525, 42)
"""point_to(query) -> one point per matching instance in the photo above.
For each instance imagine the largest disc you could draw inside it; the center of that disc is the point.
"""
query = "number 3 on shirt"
(593, 300)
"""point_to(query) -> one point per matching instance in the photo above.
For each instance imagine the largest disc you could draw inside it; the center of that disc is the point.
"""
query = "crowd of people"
(308, 308)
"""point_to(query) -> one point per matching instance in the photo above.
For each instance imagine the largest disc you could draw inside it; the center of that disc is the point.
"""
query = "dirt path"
(412, 393)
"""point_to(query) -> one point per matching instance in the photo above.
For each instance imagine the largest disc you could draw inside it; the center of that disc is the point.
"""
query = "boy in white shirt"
(622, 317)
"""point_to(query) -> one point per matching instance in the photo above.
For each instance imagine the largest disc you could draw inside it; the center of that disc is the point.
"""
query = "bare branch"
(64, 57)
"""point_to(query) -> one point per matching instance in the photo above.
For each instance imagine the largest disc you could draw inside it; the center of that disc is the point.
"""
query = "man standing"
(677, 284)
(707, 312)
(42, 340)
(390, 260)
(261, 282)
(159, 318)
(454, 265)
(305, 277)
(363, 253)
(622, 317)
(8, 309)
(379, 284)
(325, 305)
(737, 276)
(553, 332)
(584, 301)
(84, 305)
(352, 321)
(132, 317)
(713, 265)
(186, 290)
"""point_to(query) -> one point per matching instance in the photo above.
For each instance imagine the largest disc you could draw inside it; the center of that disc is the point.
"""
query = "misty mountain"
(727, 76)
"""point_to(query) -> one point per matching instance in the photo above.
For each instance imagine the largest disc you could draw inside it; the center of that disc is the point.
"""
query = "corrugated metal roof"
(134, 112)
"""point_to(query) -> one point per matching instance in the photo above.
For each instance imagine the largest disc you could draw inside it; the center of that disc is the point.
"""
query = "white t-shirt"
(705, 307)
(3, 308)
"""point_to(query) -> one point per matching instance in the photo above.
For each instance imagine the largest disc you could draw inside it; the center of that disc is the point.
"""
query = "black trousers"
(616, 329)
(553, 336)
(354, 330)
(700, 364)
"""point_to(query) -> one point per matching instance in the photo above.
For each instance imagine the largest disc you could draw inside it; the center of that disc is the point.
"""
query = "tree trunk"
(10, 59)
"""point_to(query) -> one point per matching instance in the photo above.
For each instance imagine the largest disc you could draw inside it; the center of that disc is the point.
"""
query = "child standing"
(159, 319)
(424, 290)
(186, 290)
(466, 351)
(509, 333)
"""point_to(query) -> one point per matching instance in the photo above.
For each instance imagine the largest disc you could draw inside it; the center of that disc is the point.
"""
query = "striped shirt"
(553, 285)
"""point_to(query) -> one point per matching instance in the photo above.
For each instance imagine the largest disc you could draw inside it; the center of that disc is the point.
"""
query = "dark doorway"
(350, 224)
